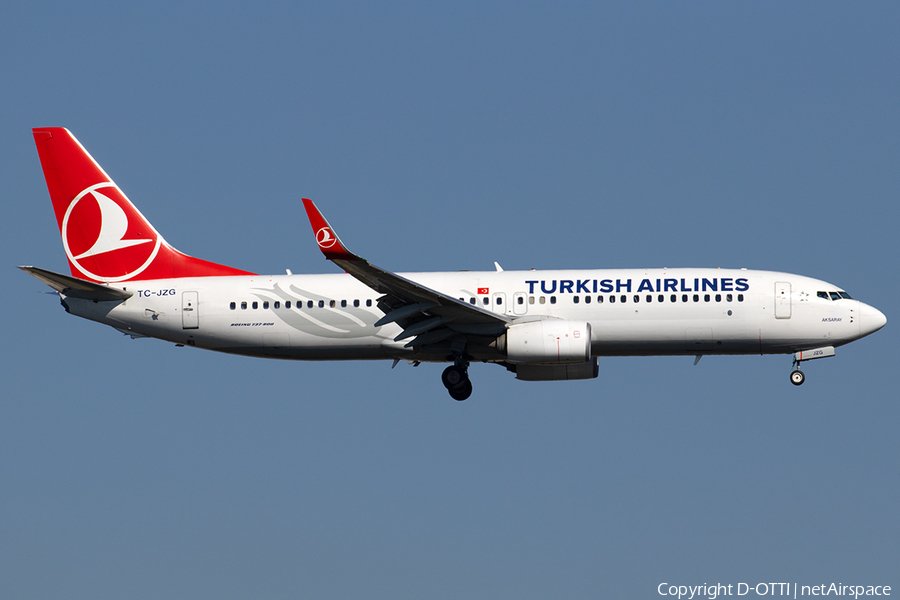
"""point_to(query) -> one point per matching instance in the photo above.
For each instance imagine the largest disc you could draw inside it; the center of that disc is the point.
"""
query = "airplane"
(540, 325)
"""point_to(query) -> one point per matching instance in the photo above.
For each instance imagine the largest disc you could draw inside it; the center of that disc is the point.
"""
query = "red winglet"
(329, 243)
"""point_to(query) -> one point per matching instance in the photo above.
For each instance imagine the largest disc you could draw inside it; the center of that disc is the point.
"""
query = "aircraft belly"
(373, 352)
(661, 337)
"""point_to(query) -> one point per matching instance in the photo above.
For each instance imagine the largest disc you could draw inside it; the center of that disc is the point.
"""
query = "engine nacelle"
(549, 342)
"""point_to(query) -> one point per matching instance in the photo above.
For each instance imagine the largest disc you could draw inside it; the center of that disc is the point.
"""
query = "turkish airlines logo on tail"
(105, 237)
(325, 238)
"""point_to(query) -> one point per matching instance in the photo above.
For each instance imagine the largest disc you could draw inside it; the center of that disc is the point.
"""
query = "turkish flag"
(484, 291)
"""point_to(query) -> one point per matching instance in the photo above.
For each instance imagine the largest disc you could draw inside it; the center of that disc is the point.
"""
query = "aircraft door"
(520, 303)
(499, 302)
(782, 300)
(190, 314)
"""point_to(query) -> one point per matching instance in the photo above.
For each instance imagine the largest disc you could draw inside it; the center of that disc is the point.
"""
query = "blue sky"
(579, 135)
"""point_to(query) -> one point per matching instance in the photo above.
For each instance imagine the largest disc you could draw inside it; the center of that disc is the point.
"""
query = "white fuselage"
(630, 311)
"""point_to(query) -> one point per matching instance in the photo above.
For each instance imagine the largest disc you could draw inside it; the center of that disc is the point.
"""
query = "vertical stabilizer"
(106, 239)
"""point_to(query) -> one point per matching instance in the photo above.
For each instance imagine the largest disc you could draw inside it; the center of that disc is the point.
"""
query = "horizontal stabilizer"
(77, 288)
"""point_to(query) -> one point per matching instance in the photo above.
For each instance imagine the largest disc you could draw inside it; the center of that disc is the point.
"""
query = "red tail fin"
(105, 237)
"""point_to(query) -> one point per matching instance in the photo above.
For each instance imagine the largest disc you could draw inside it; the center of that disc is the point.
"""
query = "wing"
(426, 315)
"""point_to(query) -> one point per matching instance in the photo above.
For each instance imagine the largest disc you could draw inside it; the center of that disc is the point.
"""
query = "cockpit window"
(822, 295)
(835, 295)
(845, 295)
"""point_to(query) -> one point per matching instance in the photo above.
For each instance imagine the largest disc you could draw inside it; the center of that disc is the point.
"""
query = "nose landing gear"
(456, 379)
(797, 376)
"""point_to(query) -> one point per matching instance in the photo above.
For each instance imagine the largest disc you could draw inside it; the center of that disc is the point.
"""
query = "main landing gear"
(456, 379)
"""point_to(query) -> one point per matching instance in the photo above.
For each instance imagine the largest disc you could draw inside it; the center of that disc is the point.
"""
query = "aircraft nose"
(870, 319)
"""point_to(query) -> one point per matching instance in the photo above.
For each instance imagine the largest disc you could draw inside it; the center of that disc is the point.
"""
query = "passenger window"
(637, 298)
(587, 299)
(684, 297)
(471, 300)
(232, 306)
(368, 303)
(661, 298)
(706, 297)
(266, 304)
(740, 297)
(287, 304)
(673, 298)
(575, 299)
(255, 305)
(718, 297)
(331, 304)
(552, 299)
(542, 300)
(499, 300)
(696, 297)
(343, 304)
(728, 297)
(599, 299)
(321, 304)
(277, 304)
(834, 295)
(530, 299)
(356, 304)
(612, 299)
(649, 298)
(520, 300)
(822, 295)
(623, 298)
(243, 306)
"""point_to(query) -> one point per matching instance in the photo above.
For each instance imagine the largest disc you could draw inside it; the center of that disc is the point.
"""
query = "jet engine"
(548, 342)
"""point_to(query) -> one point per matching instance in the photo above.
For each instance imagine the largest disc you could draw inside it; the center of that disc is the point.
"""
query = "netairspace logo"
(794, 590)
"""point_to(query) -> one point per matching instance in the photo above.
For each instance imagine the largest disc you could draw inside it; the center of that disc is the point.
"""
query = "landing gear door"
(782, 300)
(190, 315)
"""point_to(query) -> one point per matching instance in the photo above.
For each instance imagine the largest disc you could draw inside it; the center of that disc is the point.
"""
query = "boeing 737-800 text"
(541, 325)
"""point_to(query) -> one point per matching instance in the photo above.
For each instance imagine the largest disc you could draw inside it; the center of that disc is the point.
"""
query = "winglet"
(329, 243)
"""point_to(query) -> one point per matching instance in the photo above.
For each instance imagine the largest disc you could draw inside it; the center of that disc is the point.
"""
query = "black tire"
(462, 391)
(453, 376)
(797, 377)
